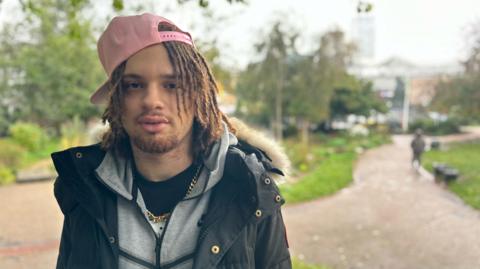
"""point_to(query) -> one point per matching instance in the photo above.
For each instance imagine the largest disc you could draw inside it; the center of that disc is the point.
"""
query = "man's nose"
(154, 97)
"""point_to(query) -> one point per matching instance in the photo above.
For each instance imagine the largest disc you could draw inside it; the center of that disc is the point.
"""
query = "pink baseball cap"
(126, 35)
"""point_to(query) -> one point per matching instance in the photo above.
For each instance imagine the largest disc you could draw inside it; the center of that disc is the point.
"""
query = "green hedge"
(11, 154)
(28, 135)
(436, 128)
(6, 176)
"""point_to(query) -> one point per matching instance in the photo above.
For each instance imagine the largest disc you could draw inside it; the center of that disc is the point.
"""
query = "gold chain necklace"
(164, 217)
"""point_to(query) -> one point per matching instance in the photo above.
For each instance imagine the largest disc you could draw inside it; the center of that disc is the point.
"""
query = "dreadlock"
(196, 83)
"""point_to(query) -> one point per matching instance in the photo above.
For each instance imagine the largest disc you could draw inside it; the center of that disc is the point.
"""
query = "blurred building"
(395, 77)
(363, 31)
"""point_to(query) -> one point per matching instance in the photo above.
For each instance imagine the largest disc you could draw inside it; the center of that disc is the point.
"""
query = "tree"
(56, 69)
(317, 76)
(118, 5)
(358, 101)
(261, 87)
(223, 76)
(460, 97)
(300, 85)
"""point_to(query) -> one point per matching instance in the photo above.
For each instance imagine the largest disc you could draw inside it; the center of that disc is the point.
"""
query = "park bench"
(444, 173)
(435, 144)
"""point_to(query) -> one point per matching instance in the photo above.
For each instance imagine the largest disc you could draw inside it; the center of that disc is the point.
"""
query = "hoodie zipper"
(158, 240)
(105, 230)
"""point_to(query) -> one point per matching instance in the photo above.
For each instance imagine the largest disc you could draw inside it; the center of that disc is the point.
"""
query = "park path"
(389, 218)
(31, 224)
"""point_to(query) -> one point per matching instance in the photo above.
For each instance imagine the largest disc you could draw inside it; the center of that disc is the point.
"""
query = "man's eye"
(170, 85)
(132, 85)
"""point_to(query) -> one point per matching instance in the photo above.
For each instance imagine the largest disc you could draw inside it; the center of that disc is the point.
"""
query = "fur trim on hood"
(258, 139)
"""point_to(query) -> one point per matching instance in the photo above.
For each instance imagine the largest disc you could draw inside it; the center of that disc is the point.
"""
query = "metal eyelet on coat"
(215, 249)
(111, 239)
(258, 213)
(78, 155)
(278, 198)
(267, 181)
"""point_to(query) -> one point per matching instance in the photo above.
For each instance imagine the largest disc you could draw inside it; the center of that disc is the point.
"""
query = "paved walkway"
(390, 218)
(31, 224)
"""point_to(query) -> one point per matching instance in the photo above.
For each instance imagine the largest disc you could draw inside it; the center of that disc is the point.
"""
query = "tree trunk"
(278, 106)
(304, 131)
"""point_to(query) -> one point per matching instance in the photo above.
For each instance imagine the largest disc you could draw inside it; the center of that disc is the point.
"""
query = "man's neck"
(160, 167)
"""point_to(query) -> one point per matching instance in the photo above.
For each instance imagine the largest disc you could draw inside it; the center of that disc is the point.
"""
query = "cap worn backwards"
(125, 36)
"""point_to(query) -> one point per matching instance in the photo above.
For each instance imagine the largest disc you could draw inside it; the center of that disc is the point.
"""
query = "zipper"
(157, 252)
(157, 239)
(160, 240)
(105, 230)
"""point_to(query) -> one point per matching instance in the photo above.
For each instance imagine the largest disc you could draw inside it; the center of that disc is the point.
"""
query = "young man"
(418, 147)
(174, 182)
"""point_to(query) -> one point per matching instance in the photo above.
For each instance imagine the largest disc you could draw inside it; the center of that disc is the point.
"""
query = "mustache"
(152, 114)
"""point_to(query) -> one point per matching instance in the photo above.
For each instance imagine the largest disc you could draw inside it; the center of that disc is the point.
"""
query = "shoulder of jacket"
(254, 169)
(74, 167)
(82, 158)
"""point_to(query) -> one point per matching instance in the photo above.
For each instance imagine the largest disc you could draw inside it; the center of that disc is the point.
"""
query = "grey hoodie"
(144, 244)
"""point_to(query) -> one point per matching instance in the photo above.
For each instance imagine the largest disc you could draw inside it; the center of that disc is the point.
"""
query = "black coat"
(242, 229)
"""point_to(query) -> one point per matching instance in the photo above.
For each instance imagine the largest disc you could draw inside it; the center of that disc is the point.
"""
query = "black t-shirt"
(161, 197)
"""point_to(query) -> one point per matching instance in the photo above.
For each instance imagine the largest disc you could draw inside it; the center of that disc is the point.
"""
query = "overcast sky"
(421, 31)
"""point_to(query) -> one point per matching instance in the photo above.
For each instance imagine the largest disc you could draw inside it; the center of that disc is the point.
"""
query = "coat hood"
(269, 146)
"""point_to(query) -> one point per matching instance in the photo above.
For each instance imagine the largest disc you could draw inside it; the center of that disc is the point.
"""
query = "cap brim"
(100, 95)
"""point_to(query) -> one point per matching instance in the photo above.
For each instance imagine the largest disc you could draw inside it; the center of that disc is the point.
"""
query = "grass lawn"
(329, 176)
(326, 165)
(466, 158)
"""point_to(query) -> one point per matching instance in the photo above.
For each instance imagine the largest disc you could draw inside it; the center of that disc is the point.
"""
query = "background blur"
(340, 84)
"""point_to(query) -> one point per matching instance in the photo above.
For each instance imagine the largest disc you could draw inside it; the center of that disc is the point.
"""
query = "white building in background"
(386, 75)
(363, 31)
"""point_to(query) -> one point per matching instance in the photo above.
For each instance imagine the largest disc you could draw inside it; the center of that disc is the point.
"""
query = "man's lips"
(153, 124)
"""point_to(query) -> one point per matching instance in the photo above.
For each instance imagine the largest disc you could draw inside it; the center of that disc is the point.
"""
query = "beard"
(155, 145)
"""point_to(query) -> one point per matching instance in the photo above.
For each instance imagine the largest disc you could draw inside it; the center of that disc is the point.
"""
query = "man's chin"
(155, 145)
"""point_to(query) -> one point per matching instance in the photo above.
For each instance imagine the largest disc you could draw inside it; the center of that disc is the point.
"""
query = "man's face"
(150, 114)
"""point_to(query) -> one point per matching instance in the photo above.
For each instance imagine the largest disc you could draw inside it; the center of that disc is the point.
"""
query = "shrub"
(6, 176)
(73, 133)
(436, 128)
(11, 154)
(29, 135)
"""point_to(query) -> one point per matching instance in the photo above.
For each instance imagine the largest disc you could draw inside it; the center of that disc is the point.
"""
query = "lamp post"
(406, 105)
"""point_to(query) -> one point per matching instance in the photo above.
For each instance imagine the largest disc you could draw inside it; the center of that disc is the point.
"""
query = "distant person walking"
(418, 147)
